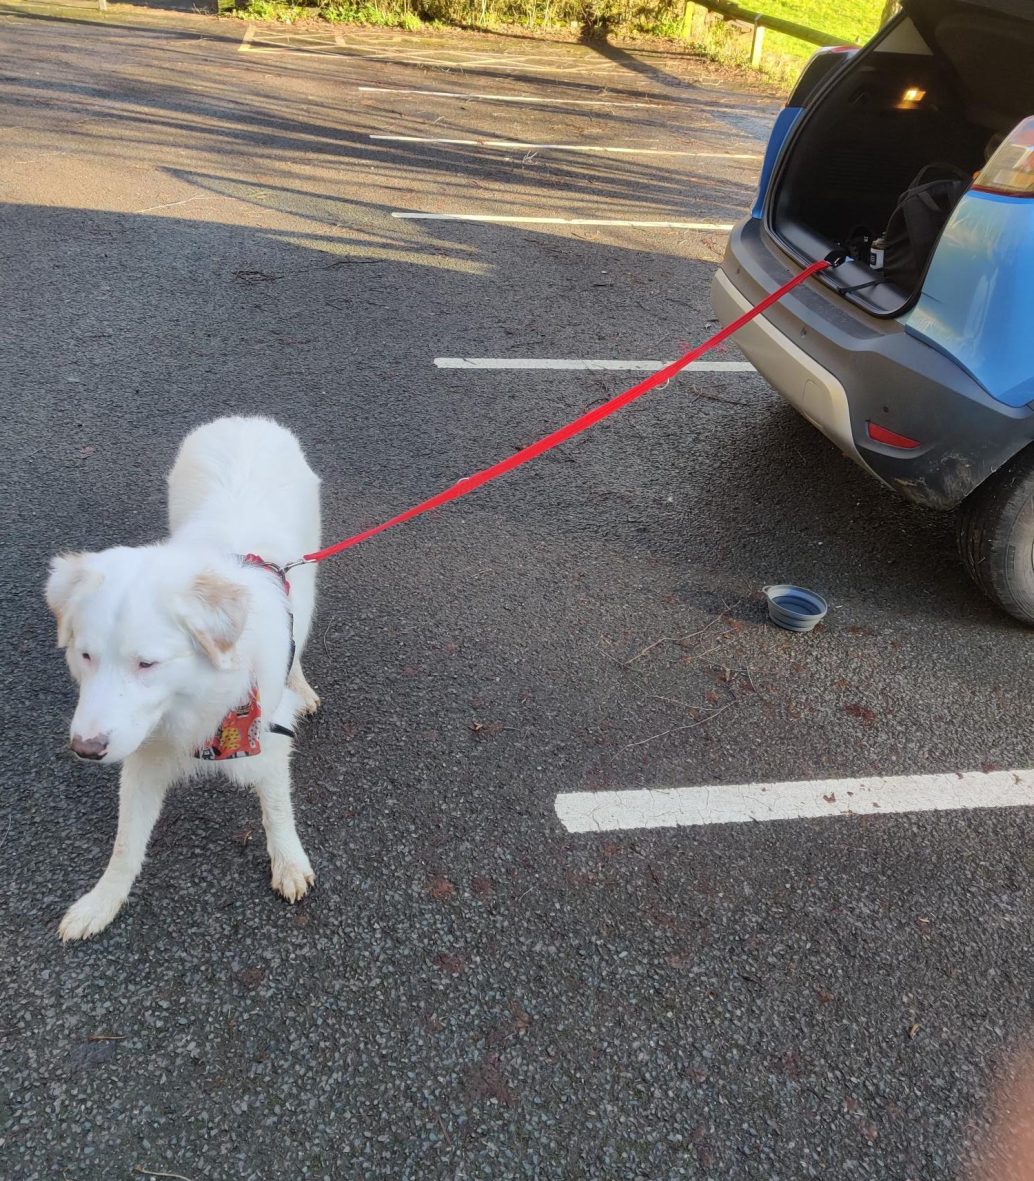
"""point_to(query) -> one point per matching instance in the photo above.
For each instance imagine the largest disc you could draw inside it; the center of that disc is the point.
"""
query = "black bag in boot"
(917, 221)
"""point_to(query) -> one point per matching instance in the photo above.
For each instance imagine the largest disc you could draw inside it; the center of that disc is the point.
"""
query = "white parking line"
(495, 61)
(508, 98)
(520, 145)
(279, 43)
(416, 52)
(676, 807)
(565, 363)
(566, 221)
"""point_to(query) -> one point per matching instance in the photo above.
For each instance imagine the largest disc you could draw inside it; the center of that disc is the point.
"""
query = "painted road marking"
(508, 98)
(530, 64)
(566, 221)
(414, 51)
(520, 145)
(565, 363)
(676, 807)
(313, 45)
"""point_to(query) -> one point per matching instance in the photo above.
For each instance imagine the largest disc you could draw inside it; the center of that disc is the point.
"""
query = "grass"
(287, 13)
(852, 20)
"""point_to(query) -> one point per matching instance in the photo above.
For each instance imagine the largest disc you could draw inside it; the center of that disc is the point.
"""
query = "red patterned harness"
(239, 733)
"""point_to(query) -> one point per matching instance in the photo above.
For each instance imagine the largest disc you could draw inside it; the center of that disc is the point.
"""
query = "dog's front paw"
(89, 915)
(310, 699)
(292, 879)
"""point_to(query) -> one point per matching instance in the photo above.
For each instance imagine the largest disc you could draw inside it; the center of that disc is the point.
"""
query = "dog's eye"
(146, 664)
(86, 657)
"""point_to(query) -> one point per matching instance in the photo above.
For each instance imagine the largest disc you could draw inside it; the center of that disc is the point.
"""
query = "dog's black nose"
(90, 748)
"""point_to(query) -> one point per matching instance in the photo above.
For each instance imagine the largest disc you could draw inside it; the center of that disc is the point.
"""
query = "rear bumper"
(843, 369)
(799, 378)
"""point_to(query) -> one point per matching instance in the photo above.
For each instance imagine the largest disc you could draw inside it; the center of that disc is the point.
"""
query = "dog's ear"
(215, 612)
(70, 579)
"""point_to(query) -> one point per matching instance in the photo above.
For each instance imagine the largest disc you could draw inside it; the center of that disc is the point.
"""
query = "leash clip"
(837, 256)
(298, 562)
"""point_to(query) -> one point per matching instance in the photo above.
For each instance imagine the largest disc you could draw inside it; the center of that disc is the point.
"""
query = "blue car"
(914, 157)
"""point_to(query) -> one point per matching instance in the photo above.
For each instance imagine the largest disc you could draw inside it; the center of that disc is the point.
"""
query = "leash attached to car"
(469, 483)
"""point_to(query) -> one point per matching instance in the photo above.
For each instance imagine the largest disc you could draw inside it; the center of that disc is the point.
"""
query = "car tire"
(996, 537)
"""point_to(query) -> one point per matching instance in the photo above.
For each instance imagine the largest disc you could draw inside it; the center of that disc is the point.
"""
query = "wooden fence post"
(757, 43)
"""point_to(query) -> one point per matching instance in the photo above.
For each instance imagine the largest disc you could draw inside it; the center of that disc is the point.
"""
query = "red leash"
(555, 438)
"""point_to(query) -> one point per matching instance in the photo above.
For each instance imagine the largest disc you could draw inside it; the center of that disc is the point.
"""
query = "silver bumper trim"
(796, 377)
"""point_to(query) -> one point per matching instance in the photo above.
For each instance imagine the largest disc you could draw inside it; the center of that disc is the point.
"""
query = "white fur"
(212, 629)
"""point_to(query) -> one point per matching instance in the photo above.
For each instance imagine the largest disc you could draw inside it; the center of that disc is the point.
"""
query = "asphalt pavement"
(196, 222)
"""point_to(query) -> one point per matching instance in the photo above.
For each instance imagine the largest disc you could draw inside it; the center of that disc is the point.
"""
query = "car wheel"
(996, 537)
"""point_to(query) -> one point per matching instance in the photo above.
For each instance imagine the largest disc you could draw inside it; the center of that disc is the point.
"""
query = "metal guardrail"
(759, 21)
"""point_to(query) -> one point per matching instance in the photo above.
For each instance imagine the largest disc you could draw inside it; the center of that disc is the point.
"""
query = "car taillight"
(1010, 170)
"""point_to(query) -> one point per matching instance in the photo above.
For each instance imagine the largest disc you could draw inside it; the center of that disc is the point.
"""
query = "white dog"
(184, 651)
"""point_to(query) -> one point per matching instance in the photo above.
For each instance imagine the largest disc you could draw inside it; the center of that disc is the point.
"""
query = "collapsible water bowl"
(794, 608)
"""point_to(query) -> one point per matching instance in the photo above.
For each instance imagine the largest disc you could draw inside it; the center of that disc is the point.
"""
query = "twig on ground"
(253, 277)
(724, 401)
(722, 615)
(676, 701)
(107, 1037)
(185, 201)
(715, 648)
(680, 640)
(649, 647)
(679, 729)
(445, 1131)
(155, 1173)
(607, 656)
(736, 672)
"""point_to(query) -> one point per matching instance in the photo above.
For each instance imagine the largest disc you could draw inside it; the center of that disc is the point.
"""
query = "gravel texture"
(190, 230)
